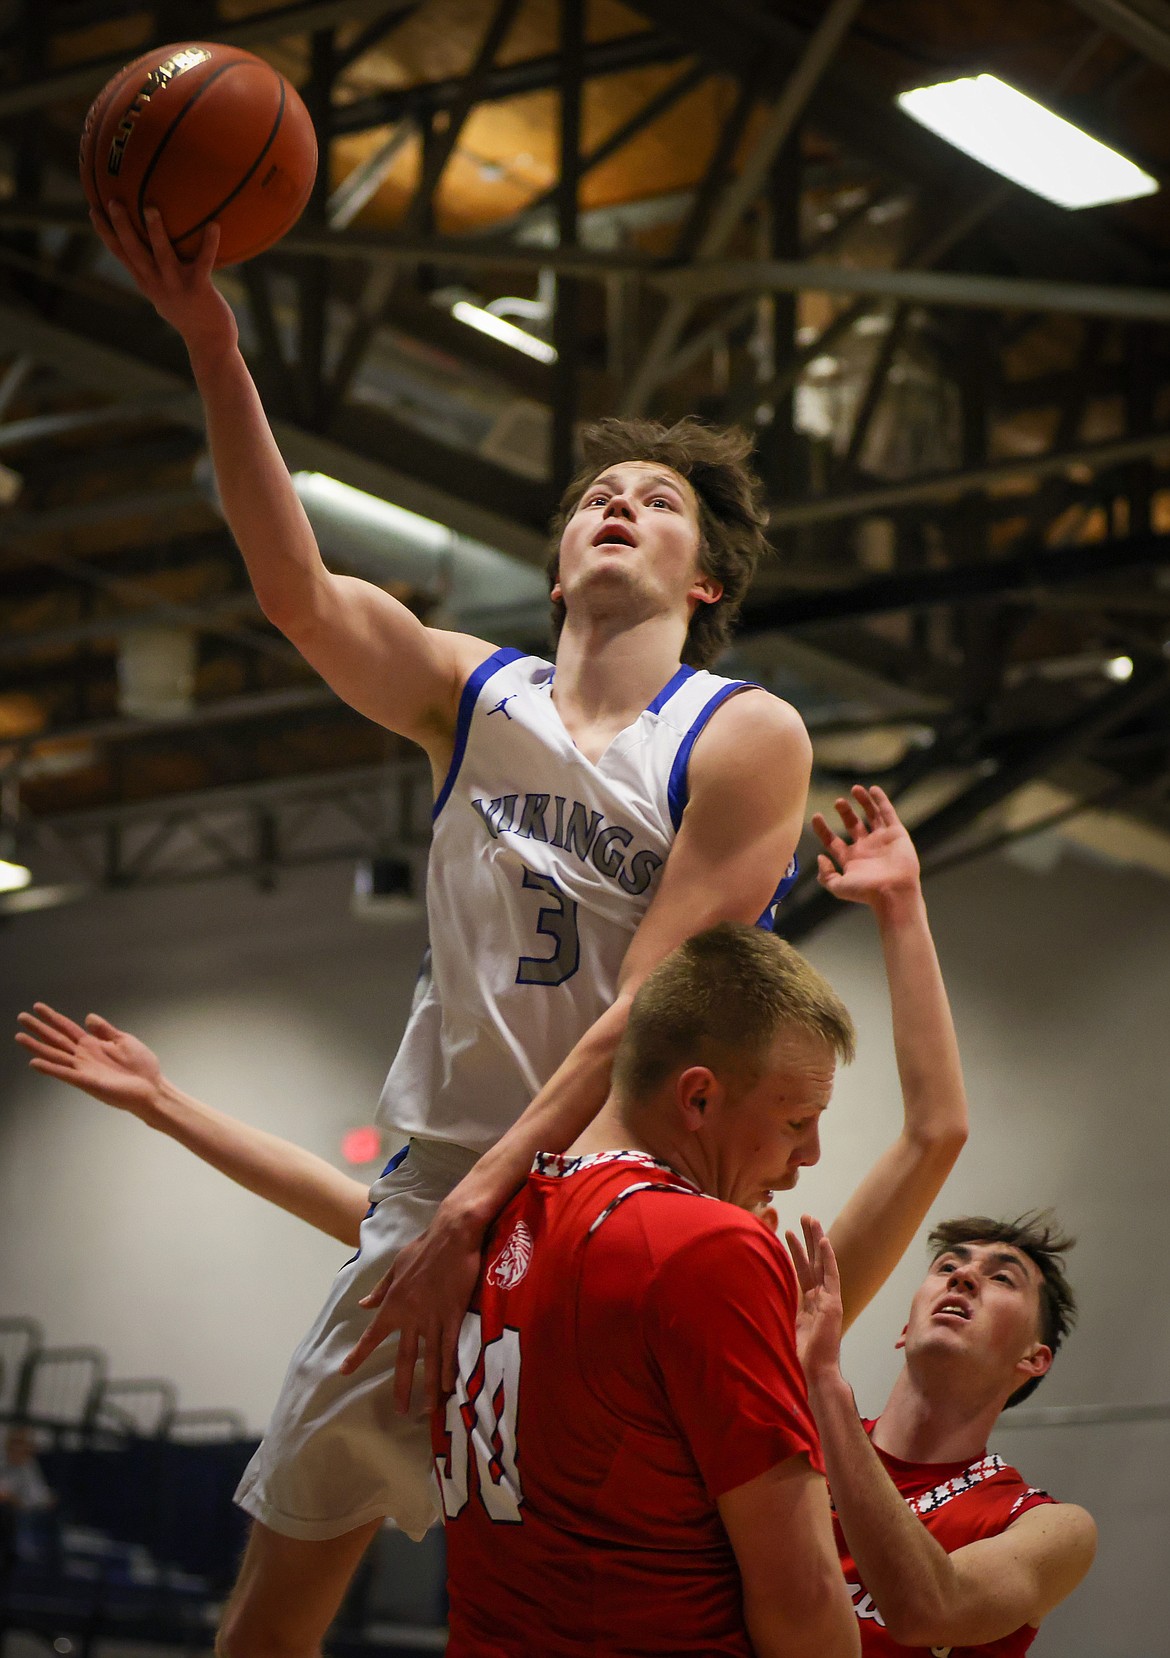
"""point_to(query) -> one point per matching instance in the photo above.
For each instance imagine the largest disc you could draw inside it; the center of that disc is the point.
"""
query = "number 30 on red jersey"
(481, 1417)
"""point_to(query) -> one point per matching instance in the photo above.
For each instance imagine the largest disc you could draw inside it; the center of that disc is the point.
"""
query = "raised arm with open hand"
(871, 860)
(111, 1064)
(120, 1070)
(819, 1315)
(877, 861)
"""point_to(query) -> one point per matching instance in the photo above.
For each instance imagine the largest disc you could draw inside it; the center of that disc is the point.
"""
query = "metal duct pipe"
(479, 588)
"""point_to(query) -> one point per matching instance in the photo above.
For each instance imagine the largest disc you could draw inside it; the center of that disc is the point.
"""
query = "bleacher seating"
(143, 1541)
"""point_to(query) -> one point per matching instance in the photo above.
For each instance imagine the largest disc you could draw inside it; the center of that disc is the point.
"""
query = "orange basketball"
(201, 132)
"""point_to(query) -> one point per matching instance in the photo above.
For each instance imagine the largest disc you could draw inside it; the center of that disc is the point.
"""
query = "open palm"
(872, 855)
(104, 1061)
(819, 1317)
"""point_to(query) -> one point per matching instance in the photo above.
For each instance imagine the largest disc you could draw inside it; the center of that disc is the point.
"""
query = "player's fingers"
(804, 1275)
(204, 262)
(43, 1050)
(865, 800)
(379, 1292)
(131, 247)
(828, 1263)
(828, 838)
(849, 817)
(883, 805)
(821, 830)
(97, 1026)
(822, 1261)
(364, 1346)
(59, 1021)
(48, 1068)
(39, 1050)
(432, 1364)
(404, 1370)
(829, 876)
(165, 257)
(45, 1034)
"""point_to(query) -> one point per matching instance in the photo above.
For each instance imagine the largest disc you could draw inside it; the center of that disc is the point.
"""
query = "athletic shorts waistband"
(441, 1157)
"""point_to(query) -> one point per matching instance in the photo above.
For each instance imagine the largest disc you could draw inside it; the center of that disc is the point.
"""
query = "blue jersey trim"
(467, 701)
(676, 788)
(672, 685)
(787, 881)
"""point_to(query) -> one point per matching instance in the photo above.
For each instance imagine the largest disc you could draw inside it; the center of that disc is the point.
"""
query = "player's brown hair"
(732, 517)
(721, 999)
(1039, 1236)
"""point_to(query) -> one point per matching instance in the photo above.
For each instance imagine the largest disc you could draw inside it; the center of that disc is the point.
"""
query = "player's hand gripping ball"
(202, 132)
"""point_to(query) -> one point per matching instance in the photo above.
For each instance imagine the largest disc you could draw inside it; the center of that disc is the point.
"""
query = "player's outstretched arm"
(115, 1067)
(872, 861)
(369, 648)
(927, 1597)
(748, 785)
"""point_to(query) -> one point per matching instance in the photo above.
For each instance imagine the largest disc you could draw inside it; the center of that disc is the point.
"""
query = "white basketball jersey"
(542, 865)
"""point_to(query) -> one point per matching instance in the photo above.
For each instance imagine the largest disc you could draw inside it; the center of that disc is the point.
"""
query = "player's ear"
(1035, 1363)
(695, 1090)
(705, 589)
(901, 1341)
(555, 593)
(770, 1218)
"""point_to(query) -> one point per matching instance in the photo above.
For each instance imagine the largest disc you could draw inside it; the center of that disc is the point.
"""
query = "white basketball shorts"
(337, 1454)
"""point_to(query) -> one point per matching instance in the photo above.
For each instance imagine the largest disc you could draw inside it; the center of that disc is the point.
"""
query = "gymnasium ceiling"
(958, 393)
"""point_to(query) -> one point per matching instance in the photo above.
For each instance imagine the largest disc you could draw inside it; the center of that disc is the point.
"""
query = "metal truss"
(997, 772)
(1026, 523)
(253, 831)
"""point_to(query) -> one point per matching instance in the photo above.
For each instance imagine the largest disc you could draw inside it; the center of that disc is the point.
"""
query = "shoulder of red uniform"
(705, 1229)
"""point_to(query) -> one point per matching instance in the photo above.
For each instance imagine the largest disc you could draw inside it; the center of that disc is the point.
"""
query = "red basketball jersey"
(629, 1358)
(958, 1503)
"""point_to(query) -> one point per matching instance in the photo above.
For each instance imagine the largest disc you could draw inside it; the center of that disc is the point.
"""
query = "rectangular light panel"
(501, 329)
(1012, 133)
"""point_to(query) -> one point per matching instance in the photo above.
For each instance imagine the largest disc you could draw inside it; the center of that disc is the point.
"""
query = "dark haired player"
(947, 1550)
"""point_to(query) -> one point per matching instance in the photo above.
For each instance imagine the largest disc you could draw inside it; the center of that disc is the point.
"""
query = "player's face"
(980, 1306)
(631, 548)
(769, 1130)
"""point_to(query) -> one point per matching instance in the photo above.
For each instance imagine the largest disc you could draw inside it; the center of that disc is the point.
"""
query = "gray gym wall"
(285, 1010)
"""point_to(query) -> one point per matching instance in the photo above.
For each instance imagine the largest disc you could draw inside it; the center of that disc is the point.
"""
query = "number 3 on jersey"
(481, 1418)
(557, 921)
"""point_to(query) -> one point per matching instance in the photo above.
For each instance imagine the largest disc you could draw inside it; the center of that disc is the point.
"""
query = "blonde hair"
(721, 999)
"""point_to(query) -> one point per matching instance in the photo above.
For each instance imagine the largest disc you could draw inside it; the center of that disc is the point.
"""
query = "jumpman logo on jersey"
(502, 706)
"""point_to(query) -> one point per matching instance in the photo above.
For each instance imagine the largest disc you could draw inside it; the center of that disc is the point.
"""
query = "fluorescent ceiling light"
(13, 876)
(500, 329)
(1027, 143)
(1119, 667)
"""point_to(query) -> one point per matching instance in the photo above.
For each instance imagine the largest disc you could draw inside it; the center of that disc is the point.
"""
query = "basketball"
(201, 132)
